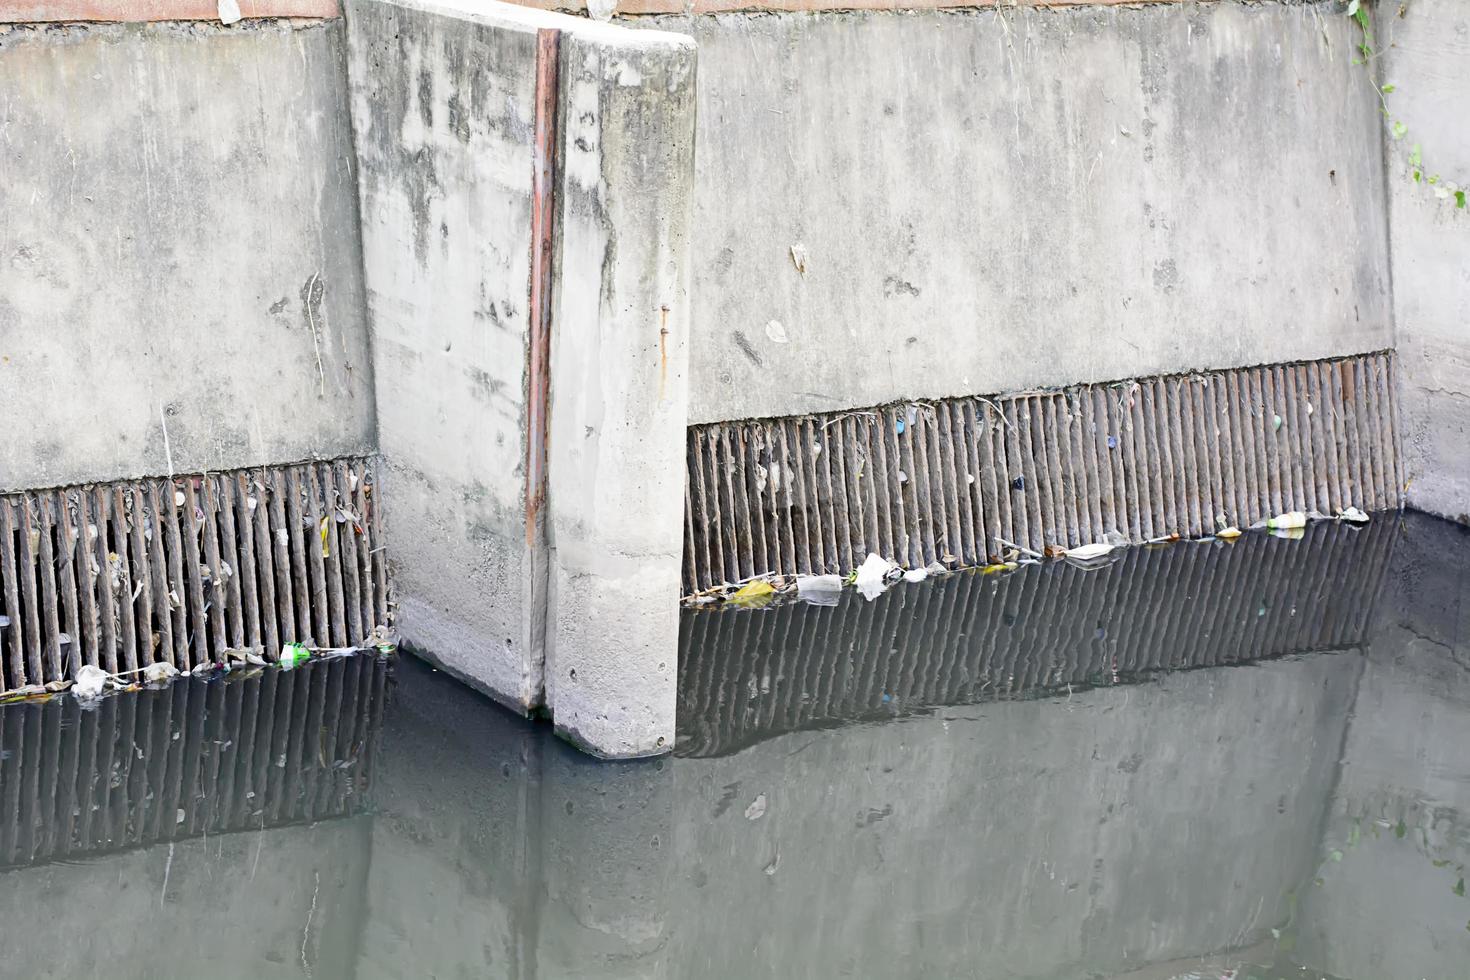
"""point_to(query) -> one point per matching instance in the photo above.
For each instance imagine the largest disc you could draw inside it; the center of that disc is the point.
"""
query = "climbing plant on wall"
(1443, 188)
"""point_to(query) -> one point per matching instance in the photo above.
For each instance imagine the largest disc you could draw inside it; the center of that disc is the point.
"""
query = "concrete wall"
(991, 200)
(180, 279)
(1427, 60)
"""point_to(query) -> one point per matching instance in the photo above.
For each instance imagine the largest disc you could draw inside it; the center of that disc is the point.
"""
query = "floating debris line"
(876, 573)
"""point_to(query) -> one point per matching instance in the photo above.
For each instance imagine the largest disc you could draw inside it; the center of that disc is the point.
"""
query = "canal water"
(1202, 761)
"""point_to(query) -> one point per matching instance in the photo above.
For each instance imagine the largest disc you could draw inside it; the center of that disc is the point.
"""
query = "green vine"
(1367, 51)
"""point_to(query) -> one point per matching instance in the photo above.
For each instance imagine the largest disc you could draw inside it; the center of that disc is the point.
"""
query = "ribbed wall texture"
(746, 675)
(194, 758)
(1147, 458)
(135, 572)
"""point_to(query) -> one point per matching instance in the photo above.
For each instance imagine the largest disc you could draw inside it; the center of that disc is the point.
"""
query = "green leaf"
(1399, 129)
(1460, 200)
(1388, 89)
(1418, 176)
(1416, 155)
(1460, 888)
(1400, 829)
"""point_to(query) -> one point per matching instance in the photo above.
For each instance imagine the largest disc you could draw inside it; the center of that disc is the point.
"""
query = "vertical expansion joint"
(543, 182)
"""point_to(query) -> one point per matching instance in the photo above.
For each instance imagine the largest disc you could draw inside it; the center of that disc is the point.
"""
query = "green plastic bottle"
(294, 655)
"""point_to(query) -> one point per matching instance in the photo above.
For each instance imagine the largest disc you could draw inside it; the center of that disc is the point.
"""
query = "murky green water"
(1206, 761)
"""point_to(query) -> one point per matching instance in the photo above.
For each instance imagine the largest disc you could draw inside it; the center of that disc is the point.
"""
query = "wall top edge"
(639, 8)
(143, 11)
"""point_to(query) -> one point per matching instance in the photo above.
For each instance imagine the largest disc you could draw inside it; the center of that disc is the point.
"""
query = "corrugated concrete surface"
(951, 481)
(181, 571)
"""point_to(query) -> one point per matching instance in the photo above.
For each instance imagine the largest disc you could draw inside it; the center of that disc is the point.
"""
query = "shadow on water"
(1166, 817)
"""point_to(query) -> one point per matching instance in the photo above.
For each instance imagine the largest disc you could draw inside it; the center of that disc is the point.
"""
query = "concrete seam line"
(140, 11)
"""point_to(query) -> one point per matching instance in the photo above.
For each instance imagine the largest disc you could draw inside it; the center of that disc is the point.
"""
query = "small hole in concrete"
(660, 740)
(572, 674)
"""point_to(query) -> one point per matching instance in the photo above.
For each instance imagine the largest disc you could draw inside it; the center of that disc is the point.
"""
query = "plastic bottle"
(294, 655)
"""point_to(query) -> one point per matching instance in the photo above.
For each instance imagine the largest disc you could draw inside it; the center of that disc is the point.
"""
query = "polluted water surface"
(1243, 758)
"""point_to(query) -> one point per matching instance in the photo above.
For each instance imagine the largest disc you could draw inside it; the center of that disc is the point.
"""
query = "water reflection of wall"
(1398, 842)
(534, 859)
(745, 676)
(202, 830)
(243, 905)
(1037, 839)
(1055, 836)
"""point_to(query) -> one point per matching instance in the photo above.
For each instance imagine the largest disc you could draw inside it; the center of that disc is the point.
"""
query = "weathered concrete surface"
(180, 279)
(1427, 60)
(444, 104)
(993, 200)
(620, 389)
(445, 151)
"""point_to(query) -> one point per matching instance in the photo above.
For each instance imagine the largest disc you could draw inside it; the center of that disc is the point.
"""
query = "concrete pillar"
(619, 391)
(526, 182)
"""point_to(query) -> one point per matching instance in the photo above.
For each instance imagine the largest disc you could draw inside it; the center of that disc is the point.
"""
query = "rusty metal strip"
(1142, 458)
(543, 221)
